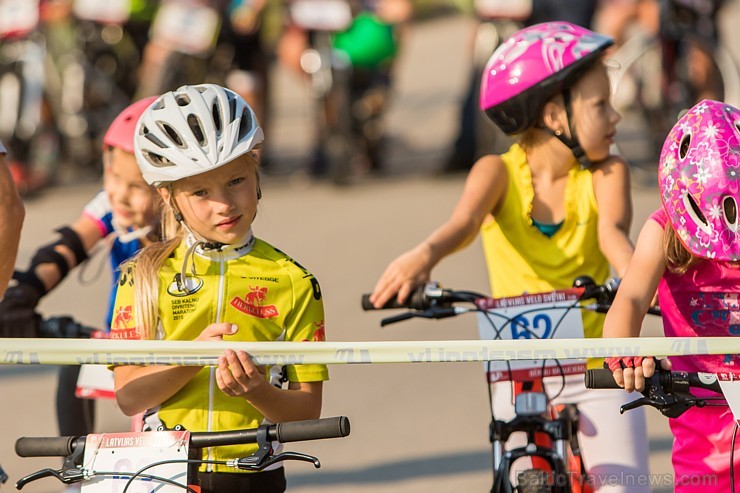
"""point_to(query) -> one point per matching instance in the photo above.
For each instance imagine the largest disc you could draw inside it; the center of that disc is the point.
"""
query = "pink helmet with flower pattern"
(532, 66)
(699, 178)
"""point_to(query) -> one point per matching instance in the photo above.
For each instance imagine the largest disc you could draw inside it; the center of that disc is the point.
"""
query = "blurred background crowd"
(67, 67)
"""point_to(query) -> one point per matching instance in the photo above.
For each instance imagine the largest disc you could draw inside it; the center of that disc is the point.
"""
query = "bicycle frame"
(551, 432)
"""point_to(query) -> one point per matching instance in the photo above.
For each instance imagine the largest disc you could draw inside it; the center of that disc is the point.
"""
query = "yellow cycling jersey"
(521, 259)
(270, 296)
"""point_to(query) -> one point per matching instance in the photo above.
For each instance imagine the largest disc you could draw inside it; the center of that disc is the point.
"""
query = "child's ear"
(553, 116)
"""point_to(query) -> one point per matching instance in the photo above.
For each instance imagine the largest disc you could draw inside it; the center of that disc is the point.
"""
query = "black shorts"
(272, 481)
(249, 52)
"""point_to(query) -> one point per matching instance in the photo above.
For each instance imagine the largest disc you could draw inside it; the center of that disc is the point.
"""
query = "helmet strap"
(570, 141)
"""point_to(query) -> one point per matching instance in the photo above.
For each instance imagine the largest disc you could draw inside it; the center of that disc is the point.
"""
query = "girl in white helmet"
(211, 279)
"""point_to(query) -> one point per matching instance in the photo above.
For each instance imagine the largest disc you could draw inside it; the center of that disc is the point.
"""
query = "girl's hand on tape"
(237, 375)
(217, 331)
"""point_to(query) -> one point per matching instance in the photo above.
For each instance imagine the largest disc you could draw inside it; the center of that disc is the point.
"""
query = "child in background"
(554, 207)
(124, 215)
(12, 213)
(212, 279)
(697, 276)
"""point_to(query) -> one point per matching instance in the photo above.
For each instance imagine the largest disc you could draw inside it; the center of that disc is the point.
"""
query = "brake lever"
(290, 456)
(433, 312)
(66, 476)
(671, 405)
(397, 318)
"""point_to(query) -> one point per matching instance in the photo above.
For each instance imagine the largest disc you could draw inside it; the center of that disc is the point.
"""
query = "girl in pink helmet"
(123, 216)
(697, 278)
(554, 207)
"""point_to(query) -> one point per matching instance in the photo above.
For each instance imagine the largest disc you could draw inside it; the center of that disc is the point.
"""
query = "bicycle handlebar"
(294, 431)
(65, 327)
(667, 391)
(669, 381)
(433, 301)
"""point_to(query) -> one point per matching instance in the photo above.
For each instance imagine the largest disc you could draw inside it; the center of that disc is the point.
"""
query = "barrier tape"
(196, 353)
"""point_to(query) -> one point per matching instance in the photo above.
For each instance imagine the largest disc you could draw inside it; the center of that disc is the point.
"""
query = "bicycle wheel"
(533, 481)
(638, 94)
(650, 105)
(339, 140)
(489, 139)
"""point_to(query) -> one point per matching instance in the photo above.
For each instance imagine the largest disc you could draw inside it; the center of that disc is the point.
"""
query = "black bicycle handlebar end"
(600, 379)
(415, 301)
(314, 429)
(45, 446)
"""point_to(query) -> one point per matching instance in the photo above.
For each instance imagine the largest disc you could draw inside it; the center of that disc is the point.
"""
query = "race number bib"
(18, 17)
(517, 10)
(553, 315)
(95, 382)
(186, 28)
(126, 453)
(105, 12)
(321, 15)
(730, 384)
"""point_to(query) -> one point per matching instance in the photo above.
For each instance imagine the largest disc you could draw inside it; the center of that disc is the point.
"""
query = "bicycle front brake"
(671, 404)
(66, 476)
(264, 458)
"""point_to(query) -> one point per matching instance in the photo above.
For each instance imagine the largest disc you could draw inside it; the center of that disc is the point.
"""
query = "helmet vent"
(182, 99)
(683, 148)
(245, 124)
(729, 207)
(153, 138)
(157, 161)
(696, 214)
(197, 130)
(232, 105)
(217, 120)
(173, 135)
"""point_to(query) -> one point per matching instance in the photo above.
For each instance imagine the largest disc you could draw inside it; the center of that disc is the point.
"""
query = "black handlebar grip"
(391, 303)
(314, 429)
(417, 300)
(600, 379)
(45, 446)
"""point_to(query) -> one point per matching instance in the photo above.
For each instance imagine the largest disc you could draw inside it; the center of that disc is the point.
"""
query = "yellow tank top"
(521, 259)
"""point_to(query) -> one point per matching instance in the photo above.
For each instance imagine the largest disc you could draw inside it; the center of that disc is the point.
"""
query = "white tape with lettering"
(196, 353)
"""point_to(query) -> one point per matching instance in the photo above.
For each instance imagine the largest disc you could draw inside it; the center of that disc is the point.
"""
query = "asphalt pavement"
(415, 428)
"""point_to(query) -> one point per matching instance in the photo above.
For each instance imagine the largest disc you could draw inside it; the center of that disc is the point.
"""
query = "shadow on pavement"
(402, 470)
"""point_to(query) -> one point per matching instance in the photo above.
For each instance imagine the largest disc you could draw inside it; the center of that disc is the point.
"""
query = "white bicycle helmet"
(192, 130)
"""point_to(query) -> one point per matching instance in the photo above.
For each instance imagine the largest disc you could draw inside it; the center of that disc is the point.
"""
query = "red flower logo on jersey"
(123, 318)
(121, 328)
(319, 335)
(253, 303)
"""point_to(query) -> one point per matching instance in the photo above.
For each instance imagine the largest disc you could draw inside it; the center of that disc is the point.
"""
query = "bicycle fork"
(547, 445)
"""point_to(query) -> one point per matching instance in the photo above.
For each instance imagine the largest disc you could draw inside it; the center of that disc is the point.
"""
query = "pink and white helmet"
(533, 65)
(699, 178)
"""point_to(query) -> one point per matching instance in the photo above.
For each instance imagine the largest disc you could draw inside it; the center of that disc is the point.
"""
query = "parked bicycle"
(170, 458)
(657, 76)
(25, 125)
(347, 52)
(556, 461)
